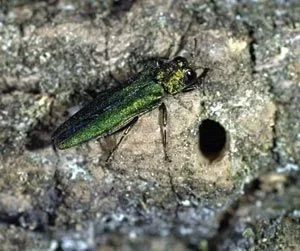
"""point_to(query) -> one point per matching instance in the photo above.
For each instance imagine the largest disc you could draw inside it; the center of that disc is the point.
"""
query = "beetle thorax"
(172, 82)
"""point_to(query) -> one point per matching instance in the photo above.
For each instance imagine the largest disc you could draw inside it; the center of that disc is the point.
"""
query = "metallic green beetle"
(114, 109)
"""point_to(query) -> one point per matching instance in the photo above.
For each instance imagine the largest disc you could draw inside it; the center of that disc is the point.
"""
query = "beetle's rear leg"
(125, 130)
(163, 128)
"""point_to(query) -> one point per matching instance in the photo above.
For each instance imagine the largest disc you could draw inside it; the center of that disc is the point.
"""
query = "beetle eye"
(181, 61)
(190, 75)
(160, 62)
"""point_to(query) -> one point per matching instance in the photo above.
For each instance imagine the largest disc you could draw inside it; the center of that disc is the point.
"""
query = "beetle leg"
(127, 129)
(163, 127)
(191, 88)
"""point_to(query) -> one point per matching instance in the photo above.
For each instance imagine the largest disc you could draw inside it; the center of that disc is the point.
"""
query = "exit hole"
(212, 139)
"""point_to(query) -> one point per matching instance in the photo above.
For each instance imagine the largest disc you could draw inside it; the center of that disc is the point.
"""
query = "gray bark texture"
(243, 194)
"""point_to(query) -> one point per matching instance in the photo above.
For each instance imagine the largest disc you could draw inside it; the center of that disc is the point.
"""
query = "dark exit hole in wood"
(212, 139)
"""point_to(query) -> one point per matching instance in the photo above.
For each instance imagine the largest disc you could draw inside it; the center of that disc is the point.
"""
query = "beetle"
(120, 107)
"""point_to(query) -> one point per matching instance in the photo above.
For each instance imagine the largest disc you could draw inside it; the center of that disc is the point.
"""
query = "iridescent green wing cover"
(109, 112)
